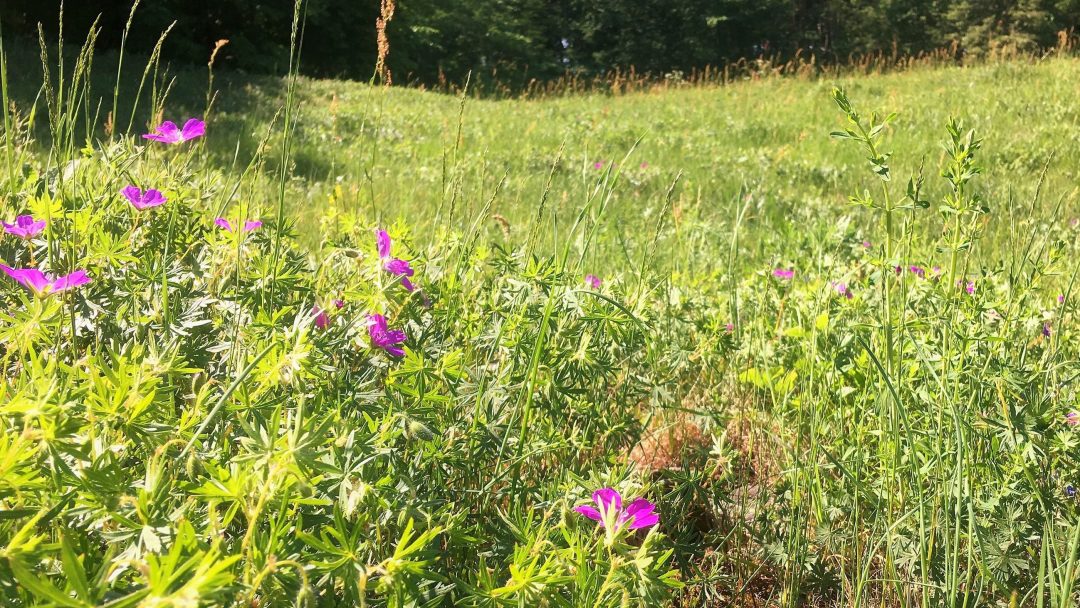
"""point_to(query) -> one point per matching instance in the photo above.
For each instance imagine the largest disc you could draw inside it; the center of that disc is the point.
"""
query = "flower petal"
(133, 194)
(32, 278)
(383, 337)
(24, 227)
(75, 279)
(322, 320)
(640, 506)
(153, 198)
(644, 521)
(399, 267)
(382, 242)
(193, 128)
(590, 512)
(605, 498)
(167, 133)
(223, 224)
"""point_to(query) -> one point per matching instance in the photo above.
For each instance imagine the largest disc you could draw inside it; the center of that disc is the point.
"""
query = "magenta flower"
(593, 281)
(384, 337)
(842, 290)
(1061, 299)
(1046, 330)
(169, 133)
(400, 268)
(143, 200)
(322, 320)
(339, 303)
(395, 266)
(42, 286)
(867, 244)
(970, 288)
(730, 327)
(644, 165)
(24, 227)
(1072, 418)
(784, 275)
(598, 165)
(638, 514)
(898, 269)
(382, 243)
(918, 271)
(249, 225)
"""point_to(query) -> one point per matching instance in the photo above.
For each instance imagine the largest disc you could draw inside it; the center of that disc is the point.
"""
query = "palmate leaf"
(32, 323)
(406, 568)
(19, 475)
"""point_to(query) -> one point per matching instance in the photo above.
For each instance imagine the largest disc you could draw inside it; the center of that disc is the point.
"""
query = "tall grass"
(805, 64)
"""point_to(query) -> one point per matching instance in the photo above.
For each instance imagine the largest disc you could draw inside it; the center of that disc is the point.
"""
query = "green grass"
(182, 432)
(395, 150)
(395, 155)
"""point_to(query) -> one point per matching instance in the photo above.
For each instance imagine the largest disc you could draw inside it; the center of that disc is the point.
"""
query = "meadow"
(334, 344)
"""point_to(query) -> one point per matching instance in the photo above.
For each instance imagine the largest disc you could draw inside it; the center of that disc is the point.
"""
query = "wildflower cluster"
(212, 427)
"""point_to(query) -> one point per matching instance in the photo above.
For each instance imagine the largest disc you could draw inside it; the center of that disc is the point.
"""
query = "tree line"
(433, 41)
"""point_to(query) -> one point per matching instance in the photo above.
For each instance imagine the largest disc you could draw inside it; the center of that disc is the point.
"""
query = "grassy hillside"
(832, 388)
(404, 153)
(766, 141)
(770, 137)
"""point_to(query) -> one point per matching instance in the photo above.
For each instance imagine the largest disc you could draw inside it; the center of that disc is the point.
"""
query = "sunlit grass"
(836, 389)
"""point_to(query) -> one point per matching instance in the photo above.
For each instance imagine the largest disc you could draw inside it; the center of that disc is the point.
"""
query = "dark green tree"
(516, 41)
(984, 25)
